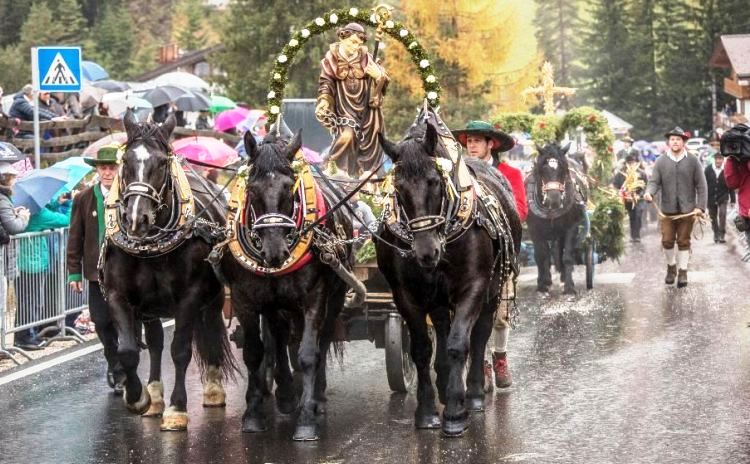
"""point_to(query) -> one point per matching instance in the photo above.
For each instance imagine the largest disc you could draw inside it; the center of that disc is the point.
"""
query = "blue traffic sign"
(57, 69)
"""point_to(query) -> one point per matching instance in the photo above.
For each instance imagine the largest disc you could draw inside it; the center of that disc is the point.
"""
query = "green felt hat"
(500, 140)
(106, 155)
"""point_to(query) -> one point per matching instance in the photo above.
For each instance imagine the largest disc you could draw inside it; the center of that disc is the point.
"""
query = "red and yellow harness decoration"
(311, 207)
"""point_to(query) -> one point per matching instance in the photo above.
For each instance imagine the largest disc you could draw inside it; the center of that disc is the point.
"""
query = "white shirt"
(105, 190)
(677, 158)
(717, 171)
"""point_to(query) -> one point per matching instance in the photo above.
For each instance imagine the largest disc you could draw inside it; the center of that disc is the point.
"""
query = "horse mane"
(149, 134)
(552, 150)
(414, 160)
(270, 159)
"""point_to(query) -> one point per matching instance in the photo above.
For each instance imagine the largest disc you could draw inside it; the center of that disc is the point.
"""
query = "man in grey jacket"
(679, 177)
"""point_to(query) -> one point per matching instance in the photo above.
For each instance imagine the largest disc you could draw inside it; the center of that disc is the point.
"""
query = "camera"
(736, 142)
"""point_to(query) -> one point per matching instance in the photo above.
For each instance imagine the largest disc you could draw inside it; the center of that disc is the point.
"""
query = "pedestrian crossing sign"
(56, 69)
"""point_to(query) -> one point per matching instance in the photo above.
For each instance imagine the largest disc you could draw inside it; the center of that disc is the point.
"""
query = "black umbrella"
(112, 86)
(9, 153)
(164, 94)
(193, 101)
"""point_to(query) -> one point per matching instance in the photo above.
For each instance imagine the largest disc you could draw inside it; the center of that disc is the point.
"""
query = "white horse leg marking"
(141, 154)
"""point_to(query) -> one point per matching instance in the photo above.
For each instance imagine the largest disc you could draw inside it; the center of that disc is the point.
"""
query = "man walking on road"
(86, 234)
(718, 197)
(680, 179)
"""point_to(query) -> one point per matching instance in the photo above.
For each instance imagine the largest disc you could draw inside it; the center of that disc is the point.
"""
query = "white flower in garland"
(413, 45)
(389, 24)
(271, 95)
(403, 32)
(333, 18)
(320, 21)
(293, 43)
(305, 33)
(282, 59)
(432, 95)
(353, 11)
(374, 18)
(424, 64)
(431, 79)
(276, 76)
(274, 109)
(444, 165)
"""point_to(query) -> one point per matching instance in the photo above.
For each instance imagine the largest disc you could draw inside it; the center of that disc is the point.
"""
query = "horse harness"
(580, 186)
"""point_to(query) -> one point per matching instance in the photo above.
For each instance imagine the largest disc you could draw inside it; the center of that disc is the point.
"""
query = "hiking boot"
(671, 274)
(682, 278)
(488, 380)
(503, 378)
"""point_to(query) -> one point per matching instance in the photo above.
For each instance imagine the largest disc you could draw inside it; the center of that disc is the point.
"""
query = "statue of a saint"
(350, 95)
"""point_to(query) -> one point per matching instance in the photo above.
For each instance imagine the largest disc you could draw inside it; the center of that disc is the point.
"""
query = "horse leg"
(213, 350)
(480, 334)
(543, 264)
(334, 305)
(568, 259)
(254, 419)
(471, 303)
(286, 398)
(155, 341)
(309, 360)
(175, 418)
(136, 397)
(442, 325)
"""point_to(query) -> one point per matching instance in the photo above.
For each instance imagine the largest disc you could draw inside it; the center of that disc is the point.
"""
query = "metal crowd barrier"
(41, 297)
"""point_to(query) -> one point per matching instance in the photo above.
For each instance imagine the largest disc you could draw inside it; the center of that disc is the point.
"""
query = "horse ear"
(168, 126)
(251, 146)
(430, 139)
(131, 125)
(564, 150)
(390, 148)
(294, 145)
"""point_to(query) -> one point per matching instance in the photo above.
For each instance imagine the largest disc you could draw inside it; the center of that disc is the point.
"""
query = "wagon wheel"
(398, 363)
(589, 261)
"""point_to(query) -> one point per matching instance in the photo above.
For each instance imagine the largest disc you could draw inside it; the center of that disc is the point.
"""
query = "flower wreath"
(327, 22)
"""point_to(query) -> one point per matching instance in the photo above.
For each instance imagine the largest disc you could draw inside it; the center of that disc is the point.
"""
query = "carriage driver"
(485, 142)
(86, 234)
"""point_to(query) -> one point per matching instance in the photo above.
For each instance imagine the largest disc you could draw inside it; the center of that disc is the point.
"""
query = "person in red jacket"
(737, 177)
(484, 141)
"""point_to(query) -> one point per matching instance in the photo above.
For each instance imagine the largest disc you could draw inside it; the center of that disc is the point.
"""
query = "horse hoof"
(140, 406)
(321, 409)
(475, 404)
(453, 428)
(429, 421)
(156, 392)
(306, 433)
(214, 396)
(286, 406)
(253, 425)
(174, 421)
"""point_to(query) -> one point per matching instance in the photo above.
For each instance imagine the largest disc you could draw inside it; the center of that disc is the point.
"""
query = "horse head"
(270, 195)
(420, 190)
(552, 173)
(145, 174)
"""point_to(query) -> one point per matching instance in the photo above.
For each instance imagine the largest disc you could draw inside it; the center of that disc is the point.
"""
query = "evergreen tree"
(40, 28)
(190, 35)
(115, 42)
(12, 13)
(15, 71)
(69, 15)
(557, 28)
(645, 100)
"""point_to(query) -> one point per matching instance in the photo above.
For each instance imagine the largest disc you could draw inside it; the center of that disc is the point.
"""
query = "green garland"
(334, 19)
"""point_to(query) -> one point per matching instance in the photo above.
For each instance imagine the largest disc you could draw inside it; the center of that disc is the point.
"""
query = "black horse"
(557, 198)
(447, 268)
(307, 299)
(147, 279)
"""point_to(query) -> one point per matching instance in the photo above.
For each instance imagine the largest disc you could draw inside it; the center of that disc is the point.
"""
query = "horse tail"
(210, 341)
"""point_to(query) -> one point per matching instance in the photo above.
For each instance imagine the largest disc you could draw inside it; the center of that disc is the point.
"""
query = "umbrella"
(253, 119)
(119, 102)
(92, 71)
(219, 104)
(77, 170)
(117, 137)
(91, 96)
(9, 153)
(181, 79)
(111, 86)
(641, 145)
(38, 188)
(311, 156)
(193, 101)
(230, 119)
(206, 150)
(164, 94)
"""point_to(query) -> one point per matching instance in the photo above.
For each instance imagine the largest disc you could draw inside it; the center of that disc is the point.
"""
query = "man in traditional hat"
(631, 182)
(718, 197)
(86, 235)
(628, 149)
(679, 177)
(483, 141)
(350, 96)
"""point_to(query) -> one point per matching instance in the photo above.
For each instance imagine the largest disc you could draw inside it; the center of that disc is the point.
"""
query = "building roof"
(185, 60)
(616, 123)
(733, 51)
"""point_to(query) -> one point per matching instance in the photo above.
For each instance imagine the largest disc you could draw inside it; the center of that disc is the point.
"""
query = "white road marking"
(57, 361)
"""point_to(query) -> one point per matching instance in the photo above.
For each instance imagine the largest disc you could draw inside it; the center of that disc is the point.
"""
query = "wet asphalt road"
(632, 372)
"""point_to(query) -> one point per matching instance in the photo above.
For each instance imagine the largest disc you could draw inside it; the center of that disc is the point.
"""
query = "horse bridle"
(274, 221)
(554, 185)
(148, 191)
